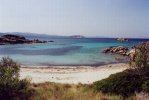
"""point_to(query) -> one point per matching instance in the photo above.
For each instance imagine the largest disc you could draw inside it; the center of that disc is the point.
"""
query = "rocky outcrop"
(124, 51)
(131, 53)
(117, 50)
(122, 40)
(15, 39)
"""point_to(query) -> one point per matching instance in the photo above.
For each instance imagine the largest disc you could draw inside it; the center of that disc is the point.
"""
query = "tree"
(11, 87)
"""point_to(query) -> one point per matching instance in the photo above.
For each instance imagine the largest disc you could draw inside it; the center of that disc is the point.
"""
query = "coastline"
(70, 74)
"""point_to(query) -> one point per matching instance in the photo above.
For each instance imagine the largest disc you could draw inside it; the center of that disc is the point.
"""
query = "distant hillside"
(33, 35)
(77, 36)
(44, 36)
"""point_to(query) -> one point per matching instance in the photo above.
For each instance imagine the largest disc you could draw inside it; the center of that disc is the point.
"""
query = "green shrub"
(145, 85)
(141, 60)
(11, 87)
(123, 83)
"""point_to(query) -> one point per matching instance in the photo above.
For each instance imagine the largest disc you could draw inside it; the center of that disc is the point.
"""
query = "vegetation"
(57, 91)
(141, 61)
(126, 83)
(11, 87)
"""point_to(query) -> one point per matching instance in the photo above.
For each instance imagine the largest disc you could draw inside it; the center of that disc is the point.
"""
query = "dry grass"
(56, 91)
(141, 96)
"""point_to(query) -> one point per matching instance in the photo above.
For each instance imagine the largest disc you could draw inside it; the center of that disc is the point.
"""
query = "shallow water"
(65, 51)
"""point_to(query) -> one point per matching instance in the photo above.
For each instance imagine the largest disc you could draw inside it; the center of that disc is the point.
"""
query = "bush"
(141, 60)
(11, 87)
(123, 83)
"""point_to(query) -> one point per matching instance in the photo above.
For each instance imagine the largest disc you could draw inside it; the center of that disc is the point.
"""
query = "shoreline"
(70, 74)
(71, 65)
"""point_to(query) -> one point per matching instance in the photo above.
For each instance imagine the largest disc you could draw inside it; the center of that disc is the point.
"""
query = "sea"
(67, 52)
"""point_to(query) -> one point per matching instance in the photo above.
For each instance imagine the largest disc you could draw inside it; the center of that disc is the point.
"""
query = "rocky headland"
(16, 39)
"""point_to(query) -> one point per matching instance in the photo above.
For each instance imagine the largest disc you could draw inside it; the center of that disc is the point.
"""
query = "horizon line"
(36, 33)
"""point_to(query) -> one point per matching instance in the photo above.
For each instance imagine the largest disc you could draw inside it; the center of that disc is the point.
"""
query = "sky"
(108, 18)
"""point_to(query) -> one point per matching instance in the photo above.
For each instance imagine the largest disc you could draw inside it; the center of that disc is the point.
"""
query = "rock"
(106, 50)
(15, 39)
(125, 51)
(132, 51)
(117, 50)
(132, 57)
(122, 40)
(51, 41)
(114, 50)
(121, 51)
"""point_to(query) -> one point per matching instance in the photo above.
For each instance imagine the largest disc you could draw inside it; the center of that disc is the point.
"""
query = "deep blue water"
(66, 51)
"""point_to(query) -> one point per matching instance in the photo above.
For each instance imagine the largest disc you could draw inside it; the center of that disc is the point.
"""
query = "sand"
(70, 74)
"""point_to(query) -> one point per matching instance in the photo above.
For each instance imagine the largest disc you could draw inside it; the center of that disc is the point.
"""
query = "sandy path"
(62, 74)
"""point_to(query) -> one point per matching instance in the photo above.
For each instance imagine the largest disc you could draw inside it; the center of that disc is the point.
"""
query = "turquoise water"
(65, 52)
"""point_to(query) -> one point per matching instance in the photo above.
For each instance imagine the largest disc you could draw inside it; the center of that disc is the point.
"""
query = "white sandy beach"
(63, 74)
